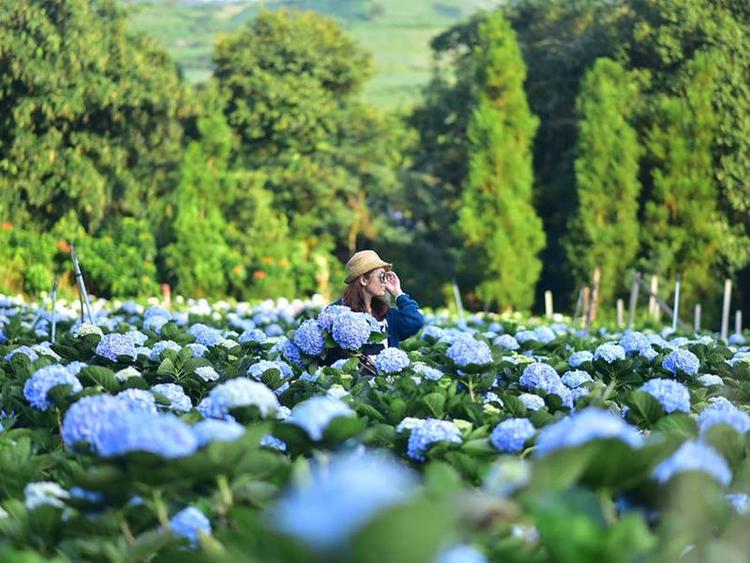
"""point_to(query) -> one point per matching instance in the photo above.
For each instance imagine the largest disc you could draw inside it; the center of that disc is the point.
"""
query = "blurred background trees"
(551, 138)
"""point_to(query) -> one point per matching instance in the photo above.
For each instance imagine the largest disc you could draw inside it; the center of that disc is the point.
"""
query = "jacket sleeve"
(408, 319)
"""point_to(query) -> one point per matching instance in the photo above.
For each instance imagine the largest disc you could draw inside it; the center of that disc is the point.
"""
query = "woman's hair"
(354, 298)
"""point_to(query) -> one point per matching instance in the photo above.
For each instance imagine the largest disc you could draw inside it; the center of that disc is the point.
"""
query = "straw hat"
(362, 262)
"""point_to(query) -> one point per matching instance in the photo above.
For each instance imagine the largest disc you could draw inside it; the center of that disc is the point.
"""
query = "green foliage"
(121, 261)
(604, 232)
(682, 234)
(27, 259)
(497, 216)
(89, 114)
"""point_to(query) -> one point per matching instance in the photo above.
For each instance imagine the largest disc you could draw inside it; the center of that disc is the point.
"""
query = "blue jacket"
(404, 320)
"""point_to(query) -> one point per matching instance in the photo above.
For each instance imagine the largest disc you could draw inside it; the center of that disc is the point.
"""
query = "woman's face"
(375, 283)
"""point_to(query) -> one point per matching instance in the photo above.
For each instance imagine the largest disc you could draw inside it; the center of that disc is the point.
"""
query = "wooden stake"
(548, 310)
(166, 293)
(457, 297)
(54, 314)
(595, 293)
(676, 309)
(738, 322)
(633, 299)
(620, 313)
(725, 309)
(653, 308)
(579, 304)
(697, 322)
(586, 306)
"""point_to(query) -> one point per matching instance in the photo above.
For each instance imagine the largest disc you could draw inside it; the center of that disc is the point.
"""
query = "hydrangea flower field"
(214, 432)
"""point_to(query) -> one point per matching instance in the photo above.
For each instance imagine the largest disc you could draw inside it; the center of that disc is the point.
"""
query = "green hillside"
(396, 32)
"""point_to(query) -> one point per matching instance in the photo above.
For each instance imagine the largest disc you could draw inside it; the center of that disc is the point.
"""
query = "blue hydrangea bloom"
(138, 399)
(634, 342)
(575, 378)
(506, 341)
(243, 392)
(188, 522)
(432, 332)
(314, 414)
(207, 373)
(682, 360)
(155, 323)
(210, 410)
(539, 375)
(75, 367)
(649, 353)
(156, 311)
(309, 337)
(328, 315)
(510, 435)
(162, 345)
(672, 395)
(272, 442)
(198, 350)
(262, 366)
(291, 352)
(721, 403)
(531, 402)
(736, 339)
(137, 337)
(351, 331)
(391, 360)
(428, 372)
(564, 393)
(342, 497)
(694, 456)
(274, 329)
(44, 380)
(735, 418)
(578, 358)
(461, 554)
(584, 426)
(467, 351)
(429, 432)
(253, 336)
(740, 502)
(544, 334)
(84, 418)
(178, 401)
(496, 327)
(142, 431)
(523, 336)
(609, 352)
(212, 430)
(709, 380)
(206, 335)
(113, 345)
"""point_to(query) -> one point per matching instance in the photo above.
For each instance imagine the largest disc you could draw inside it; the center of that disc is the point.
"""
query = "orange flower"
(284, 263)
(63, 245)
(7, 226)
(259, 274)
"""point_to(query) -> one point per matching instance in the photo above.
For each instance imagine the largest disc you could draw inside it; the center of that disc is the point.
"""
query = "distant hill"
(396, 32)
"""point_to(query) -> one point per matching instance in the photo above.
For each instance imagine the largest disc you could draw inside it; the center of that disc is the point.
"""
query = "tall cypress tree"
(682, 228)
(497, 218)
(604, 231)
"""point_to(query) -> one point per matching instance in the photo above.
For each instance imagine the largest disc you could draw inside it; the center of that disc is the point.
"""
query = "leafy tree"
(90, 116)
(199, 256)
(496, 215)
(604, 232)
(682, 233)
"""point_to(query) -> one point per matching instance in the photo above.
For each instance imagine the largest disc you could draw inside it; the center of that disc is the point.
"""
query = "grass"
(398, 38)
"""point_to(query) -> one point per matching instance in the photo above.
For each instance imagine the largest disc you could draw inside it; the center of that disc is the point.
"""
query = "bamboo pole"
(697, 320)
(457, 298)
(653, 308)
(586, 306)
(595, 293)
(620, 313)
(54, 313)
(81, 285)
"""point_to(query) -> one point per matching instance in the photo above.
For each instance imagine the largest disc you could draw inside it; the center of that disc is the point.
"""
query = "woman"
(368, 279)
